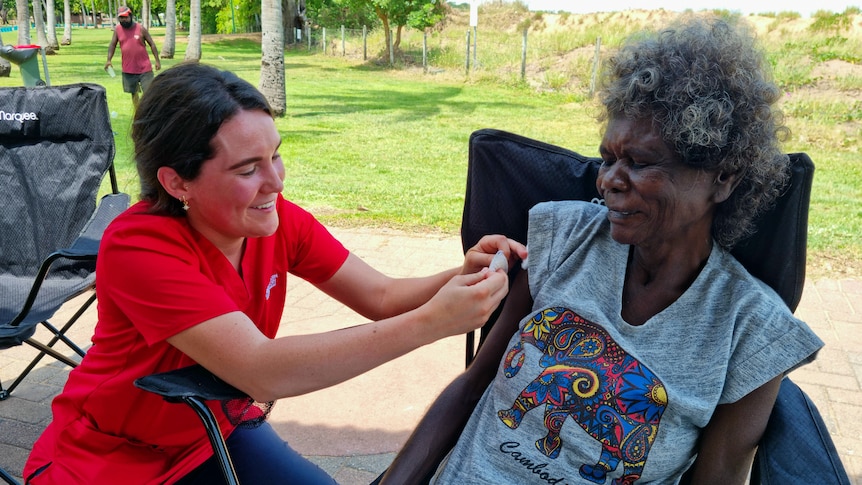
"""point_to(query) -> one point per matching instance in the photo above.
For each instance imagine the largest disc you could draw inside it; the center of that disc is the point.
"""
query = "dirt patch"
(218, 37)
(836, 68)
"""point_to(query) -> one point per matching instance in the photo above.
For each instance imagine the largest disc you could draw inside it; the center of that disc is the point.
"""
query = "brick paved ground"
(353, 430)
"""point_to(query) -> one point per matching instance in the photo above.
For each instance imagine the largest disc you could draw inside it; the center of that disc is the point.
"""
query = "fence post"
(596, 62)
(524, 57)
(323, 42)
(425, 52)
(308, 34)
(467, 57)
(391, 49)
(343, 52)
(364, 43)
(475, 38)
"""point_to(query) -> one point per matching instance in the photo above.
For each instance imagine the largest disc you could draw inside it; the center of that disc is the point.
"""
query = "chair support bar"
(215, 436)
(49, 348)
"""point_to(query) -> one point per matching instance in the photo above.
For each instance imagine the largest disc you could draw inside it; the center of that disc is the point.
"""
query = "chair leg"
(215, 437)
(61, 334)
(49, 348)
(6, 477)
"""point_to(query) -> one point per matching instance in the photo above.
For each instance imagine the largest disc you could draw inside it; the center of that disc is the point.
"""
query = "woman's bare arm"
(730, 439)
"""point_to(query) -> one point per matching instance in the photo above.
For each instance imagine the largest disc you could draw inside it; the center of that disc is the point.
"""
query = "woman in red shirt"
(196, 273)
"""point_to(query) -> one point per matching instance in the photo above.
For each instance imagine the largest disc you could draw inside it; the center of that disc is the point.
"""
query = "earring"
(185, 203)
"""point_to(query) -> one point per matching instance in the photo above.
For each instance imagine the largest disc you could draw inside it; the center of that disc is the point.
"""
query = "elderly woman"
(196, 272)
(640, 326)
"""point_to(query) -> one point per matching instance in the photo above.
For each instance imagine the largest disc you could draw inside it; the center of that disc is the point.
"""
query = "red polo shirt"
(156, 276)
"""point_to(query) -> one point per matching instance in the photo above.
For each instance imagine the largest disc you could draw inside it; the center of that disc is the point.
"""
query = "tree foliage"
(352, 14)
(396, 14)
(216, 14)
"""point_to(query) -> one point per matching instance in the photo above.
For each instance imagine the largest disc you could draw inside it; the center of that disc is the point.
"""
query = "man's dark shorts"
(132, 81)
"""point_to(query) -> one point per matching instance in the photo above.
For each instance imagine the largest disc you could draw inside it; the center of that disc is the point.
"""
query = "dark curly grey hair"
(709, 90)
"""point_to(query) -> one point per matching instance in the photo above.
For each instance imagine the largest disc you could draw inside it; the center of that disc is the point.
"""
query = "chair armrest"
(87, 242)
(796, 446)
(84, 248)
(192, 381)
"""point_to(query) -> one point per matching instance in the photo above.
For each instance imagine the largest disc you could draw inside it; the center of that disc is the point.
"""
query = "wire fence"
(546, 62)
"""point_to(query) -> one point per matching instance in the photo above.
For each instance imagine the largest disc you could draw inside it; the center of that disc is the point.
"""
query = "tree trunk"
(83, 15)
(145, 14)
(40, 27)
(288, 20)
(170, 43)
(193, 51)
(23, 12)
(51, 18)
(397, 44)
(385, 19)
(272, 56)
(5, 66)
(67, 23)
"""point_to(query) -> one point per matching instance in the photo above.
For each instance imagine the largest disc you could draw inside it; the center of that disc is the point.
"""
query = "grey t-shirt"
(583, 393)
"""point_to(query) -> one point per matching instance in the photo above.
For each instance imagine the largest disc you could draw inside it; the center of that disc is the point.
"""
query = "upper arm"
(226, 345)
(357, 285)
(730, 439)
(149, 37)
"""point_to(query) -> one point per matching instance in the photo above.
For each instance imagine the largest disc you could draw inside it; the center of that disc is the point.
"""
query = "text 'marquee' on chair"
(508, 174)
(56, 146)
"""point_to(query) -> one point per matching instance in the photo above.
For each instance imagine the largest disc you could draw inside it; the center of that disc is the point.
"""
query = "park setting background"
(381, 141)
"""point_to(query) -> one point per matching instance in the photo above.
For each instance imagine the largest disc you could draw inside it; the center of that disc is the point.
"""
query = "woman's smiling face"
(654, 200)
(234, 195)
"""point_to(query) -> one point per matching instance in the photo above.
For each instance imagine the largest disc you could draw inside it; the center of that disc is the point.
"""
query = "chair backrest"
(56, 145)
(508, 174)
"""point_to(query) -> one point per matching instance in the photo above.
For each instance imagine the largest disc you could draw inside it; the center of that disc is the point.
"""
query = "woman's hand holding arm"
(411, 313)
(234, 349)
(377, 296)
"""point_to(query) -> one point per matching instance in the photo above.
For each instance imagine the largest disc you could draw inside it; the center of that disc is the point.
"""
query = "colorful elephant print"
(587, 376)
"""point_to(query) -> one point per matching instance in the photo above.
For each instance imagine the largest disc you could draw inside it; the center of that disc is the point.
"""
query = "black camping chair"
(508, 174)
(57, 146)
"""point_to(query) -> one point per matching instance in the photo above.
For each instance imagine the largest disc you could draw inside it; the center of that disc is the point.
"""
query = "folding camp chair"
(57, 146)
(508, 174)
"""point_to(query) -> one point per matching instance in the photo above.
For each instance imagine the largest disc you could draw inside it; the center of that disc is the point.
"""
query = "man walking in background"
(137, 70)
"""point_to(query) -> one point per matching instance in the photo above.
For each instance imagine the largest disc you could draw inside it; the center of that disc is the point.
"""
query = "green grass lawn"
(374, 147)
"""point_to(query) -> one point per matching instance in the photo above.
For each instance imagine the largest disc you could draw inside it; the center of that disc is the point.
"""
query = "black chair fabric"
(191, 381)
(796, 446)
(56, 146)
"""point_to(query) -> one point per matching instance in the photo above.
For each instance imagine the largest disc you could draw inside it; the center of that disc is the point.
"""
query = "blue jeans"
(260, 456)
(796, 447)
